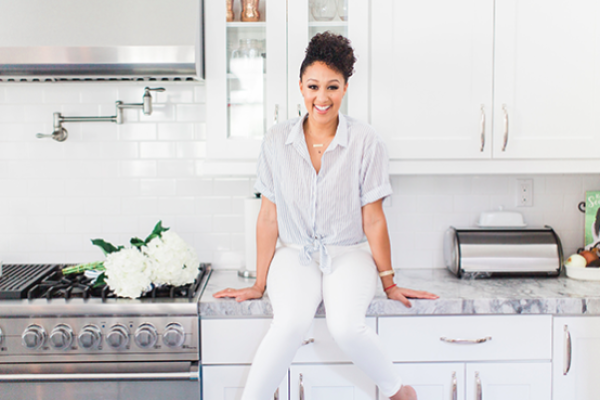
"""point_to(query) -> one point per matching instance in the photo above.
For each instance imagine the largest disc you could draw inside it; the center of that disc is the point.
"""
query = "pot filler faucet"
(60, 134)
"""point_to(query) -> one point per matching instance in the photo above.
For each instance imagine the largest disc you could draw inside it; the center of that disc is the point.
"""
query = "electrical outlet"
(524, 192)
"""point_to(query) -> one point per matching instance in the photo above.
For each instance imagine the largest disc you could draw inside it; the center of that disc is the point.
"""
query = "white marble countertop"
(457, 296)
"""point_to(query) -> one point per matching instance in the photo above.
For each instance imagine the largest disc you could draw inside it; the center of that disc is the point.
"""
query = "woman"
(323, 178)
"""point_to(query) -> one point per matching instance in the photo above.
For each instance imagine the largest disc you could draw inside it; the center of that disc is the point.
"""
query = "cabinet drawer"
(510, 338)
(234, 341)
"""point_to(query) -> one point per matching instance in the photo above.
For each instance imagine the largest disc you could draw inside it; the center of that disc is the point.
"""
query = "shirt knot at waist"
(316, 246)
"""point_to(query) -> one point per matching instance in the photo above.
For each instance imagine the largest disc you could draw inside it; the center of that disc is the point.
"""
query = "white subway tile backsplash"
(138, 168)
(176, 168)
(12, 113)
(137, 132)
(98, 94)
(213, 205)
(176, 205)
(114, 187)
(139, 205)
(56, 94)
(175, 131)
(191, 150)
(116, 181)
(157, 187)
(232, 187)
(24, 93)
(191, 112)
(158, 150)
(228, 223)
(194, 187)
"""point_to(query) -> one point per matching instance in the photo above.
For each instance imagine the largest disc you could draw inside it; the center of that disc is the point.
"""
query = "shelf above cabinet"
(257, 25)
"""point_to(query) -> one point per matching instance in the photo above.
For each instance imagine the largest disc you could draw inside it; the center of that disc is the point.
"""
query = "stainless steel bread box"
(487, 252)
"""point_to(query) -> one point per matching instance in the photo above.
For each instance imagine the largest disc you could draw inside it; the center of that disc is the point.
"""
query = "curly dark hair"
(333, 50)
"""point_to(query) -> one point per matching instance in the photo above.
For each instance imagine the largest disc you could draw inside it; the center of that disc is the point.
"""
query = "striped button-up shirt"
(317, 210)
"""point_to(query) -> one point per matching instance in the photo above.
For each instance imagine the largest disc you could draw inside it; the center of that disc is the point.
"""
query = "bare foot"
(405, 393)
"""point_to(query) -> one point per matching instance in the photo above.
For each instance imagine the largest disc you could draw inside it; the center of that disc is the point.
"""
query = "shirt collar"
(341, 135)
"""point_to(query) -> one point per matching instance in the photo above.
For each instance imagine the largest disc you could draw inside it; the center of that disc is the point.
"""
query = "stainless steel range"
(60, 338)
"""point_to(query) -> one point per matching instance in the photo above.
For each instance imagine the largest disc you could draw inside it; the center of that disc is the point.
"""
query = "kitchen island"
(518, 338)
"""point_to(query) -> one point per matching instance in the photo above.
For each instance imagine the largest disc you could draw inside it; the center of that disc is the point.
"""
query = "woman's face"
(323, 89)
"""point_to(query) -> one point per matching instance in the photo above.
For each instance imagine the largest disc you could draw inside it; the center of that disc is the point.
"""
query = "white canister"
(251, 210)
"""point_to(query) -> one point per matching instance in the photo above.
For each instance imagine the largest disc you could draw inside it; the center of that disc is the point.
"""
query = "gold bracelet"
(386, 273)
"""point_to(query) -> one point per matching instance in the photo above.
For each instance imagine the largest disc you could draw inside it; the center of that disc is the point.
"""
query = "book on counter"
(592, 218)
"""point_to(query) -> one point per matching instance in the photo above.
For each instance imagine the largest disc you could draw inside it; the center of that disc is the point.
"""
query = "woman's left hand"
(403, 294)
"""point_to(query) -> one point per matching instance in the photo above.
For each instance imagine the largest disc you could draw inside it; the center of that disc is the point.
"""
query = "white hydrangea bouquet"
(163, 258)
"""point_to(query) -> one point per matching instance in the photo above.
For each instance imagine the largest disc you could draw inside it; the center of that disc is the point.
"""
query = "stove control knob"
(61, 337)
(174, 335)
(34, 337)
(0, 336)
(146, 336)
(118, 337)
(90, 337)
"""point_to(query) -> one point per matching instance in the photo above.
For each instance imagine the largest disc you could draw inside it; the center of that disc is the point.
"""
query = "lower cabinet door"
(514, 381)
(576, 358)
(226, 382)
(433, 381)
(330, 382)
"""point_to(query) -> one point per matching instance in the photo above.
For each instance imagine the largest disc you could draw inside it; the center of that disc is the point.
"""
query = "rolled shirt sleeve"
(265, 184)
(375, 178)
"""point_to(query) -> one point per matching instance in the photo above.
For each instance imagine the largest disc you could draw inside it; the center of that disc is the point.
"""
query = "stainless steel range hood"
(75, 39)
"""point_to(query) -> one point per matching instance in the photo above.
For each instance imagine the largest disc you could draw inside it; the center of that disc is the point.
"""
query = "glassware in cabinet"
(245, 74)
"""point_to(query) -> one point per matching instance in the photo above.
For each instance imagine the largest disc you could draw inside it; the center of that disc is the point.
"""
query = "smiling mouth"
(322, 109)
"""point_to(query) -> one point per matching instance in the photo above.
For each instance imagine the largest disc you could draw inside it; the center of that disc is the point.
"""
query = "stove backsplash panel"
(116, 181)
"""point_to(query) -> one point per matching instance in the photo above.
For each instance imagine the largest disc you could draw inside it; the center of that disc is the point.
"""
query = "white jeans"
(295, 292)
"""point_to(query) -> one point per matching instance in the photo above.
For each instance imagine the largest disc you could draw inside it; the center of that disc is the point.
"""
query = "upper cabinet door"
(547, 79)
(245, 76)
(349, 18)
(432, 77)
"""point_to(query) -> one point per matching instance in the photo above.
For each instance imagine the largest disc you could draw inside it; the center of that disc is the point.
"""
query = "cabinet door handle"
(478, 390)
(276, 396)
(308, 341)
(482, 128)
(454, 387)
(301, 388)
(276, 116)
(466, 341)
(505, 127)
(567, 347)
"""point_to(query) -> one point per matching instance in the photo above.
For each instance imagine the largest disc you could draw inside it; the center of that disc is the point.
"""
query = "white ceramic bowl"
(505, 219)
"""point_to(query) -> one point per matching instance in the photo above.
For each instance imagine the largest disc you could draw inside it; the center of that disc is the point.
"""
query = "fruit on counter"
(576, 260)
(589, 256)
(594, 263)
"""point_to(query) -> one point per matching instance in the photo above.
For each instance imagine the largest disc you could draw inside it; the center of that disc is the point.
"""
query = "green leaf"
(137, 242)
(96, 265)
(100, 280)
(156, 232)
(106, 247)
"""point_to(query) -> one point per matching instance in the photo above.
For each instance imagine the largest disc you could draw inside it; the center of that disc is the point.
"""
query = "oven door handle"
(192, 375)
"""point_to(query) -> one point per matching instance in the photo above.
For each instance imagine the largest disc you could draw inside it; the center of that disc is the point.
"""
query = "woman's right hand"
(248, 293)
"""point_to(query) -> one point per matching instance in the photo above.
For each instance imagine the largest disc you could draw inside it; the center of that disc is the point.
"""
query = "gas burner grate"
(17, 279)
(57, 285)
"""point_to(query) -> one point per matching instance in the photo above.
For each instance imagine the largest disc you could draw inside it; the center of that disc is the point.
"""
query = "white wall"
(116, 181)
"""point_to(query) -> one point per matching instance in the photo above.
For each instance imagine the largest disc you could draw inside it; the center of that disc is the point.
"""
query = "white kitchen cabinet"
(432, 63)
(495, 381)
(227, 383)
(327, 382)
(503, 357)
(247, 95)
(482, 79)
(576, 362)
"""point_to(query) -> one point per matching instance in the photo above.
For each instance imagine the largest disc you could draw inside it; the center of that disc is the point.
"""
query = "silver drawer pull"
(308, 341)
(568, 346)
(478, 388)
(301, 388)
(505, 127)
(466, 341)
(276, 396)
(454, 386)
(482, 128)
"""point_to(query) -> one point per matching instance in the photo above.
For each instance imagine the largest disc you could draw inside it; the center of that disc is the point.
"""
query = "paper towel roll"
(251, 209)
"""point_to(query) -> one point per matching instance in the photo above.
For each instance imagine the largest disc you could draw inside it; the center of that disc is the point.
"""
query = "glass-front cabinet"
(254, 49)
